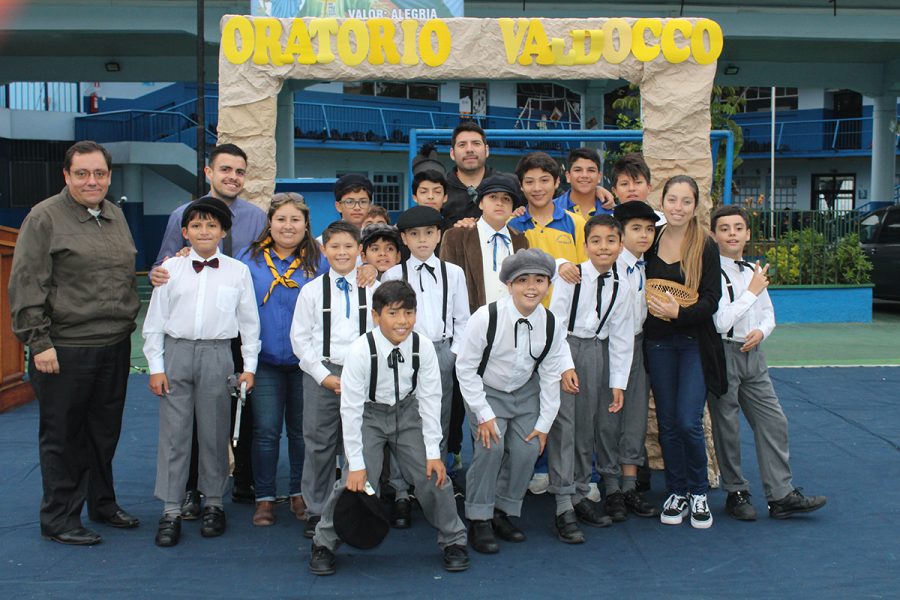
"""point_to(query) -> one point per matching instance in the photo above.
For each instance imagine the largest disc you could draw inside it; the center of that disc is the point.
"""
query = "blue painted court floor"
(845, 443)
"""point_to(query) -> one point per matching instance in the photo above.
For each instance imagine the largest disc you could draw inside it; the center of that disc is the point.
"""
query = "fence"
(139, 126)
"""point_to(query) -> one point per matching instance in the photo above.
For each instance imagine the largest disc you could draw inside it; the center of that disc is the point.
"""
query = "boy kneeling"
(391, 395)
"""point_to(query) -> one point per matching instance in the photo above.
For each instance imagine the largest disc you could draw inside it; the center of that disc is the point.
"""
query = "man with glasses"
(73, 298)
(469, 150)
(352, 198)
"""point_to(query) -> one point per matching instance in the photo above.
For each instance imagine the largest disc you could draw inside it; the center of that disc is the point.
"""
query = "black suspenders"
(612, 301)
(326, 314)
(730, 289)
(405, 269)
(373, 372)
(492, 333)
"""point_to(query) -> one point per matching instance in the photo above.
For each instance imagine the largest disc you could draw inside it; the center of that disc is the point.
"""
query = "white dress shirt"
(307, 330)
(637, 276)
(618, 327)
(748, 311)
(214, 304)
(430, 302)
(494, 289)
(511, 364)
(355, 391)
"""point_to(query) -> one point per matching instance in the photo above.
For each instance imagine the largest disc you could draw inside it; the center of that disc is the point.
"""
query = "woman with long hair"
(282, 260)
(684, 354)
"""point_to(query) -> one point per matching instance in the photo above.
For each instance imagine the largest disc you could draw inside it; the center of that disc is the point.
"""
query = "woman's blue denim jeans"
(277, 401)
(679, 389)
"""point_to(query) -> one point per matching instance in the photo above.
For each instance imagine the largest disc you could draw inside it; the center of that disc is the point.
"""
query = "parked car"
(879, 235)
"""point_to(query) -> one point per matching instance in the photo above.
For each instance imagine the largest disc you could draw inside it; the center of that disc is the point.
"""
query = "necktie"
(743, 263)
(600, 280)
(639, 265)
(430, 270)
(394, 360)
(212, 263)
(499, 237)
(527, 324)
(277, 279)
(344, 285)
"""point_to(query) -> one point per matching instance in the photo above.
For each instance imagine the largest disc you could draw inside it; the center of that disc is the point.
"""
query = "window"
(759, 99)
(869, 226)
(833, 192)
(393, 89)
(748, 190)
(476, 95)
(539, 102)
(890, 231)
(785, 192)
(388, 190)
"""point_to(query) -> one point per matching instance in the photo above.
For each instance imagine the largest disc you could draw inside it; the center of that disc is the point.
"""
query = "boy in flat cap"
(208, 301)
(509, 369)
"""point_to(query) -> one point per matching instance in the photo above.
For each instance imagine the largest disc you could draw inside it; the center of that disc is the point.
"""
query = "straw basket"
(657, 288)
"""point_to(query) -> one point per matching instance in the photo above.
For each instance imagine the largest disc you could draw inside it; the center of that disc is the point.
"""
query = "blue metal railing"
(805, 136)
(139, 126)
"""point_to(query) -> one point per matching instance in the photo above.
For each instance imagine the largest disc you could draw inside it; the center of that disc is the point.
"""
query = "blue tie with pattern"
(344, 285)
(493, 240)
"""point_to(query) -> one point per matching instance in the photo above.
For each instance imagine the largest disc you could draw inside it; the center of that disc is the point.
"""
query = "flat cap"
(502, 182)
(359, 519)
(527, 261)
(418, 216)
(378, 231)
(211, 206)
(635, 209)
(427, 160)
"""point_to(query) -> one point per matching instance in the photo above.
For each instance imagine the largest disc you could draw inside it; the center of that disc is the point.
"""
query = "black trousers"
(80, 421)
(243, 471)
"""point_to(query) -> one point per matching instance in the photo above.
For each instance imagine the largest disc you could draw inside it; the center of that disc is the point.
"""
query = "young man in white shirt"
(208, 301)
(331, 313)
(745, 318)
(391, 397)
(508, 342)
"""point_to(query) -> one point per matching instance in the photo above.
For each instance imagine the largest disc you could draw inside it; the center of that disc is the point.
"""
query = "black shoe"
(591, 512)
(504, 528)
(119, 519)
(481, 536)
(400, 514)
(795, 503)
(190, 506)
(738, 506)
(80, 536)
(310, 529)
(566, 526)
(635, 502)
(615, 507)
(213, 521)
(321, 562)
(642, 487)
(456, 558)
(243, 493)
(168, 532)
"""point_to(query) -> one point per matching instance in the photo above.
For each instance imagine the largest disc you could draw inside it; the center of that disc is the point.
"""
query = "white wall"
(810, 98)
(37, 125)
(126, 91)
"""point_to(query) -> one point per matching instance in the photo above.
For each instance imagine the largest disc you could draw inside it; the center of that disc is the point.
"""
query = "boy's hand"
(569, 272)
(607, 200)
(159, 384)
(752, 340)
(540, 435)
(333, 383)
(436, 466)
(366, 275)
(159, 276)
(467, 223)
(250, 378)
(356, 480)
(518, 212)
(487, 431)
(46, 361)
(668, 309)
(760, 280)
(570, 381)
(618, 399)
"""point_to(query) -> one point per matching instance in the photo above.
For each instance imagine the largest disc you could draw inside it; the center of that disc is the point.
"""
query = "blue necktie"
(344, 285)
(493, 240)
(639, 265)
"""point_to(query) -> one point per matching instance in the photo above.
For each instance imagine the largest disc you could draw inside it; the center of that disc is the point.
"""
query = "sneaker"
(674, 510)
(795, 503)
(738, 506)
(615, 507)
(594, 494)
(539, 484)
(701, 518)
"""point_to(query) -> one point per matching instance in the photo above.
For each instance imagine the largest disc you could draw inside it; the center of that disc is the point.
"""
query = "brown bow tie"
(212, 263)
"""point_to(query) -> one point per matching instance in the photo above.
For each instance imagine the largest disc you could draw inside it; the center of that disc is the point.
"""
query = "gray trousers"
(446, 363)
(400, 428)
(621, 435)
(197, 371)
(499, 475)
(322, 437)
(750, 390)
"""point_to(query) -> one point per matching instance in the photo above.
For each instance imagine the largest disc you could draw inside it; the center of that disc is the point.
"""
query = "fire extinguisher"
(94, 103)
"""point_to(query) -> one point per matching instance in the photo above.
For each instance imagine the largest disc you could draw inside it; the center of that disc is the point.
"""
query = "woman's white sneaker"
(674, 510)
(701, 518)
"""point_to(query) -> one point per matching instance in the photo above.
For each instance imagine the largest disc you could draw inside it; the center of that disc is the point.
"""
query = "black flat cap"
(635, 209)
(502, 182)
(418, 216)
(211, 206)
(359, 519)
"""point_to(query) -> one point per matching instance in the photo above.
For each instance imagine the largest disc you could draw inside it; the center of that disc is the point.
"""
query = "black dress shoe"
(212, 521)
(567, 528)
(190, 506)
(504, 528)
(79, 536)
(168, 532)
(310, 529)
(591, 512)
(635, 502)
(738, 506)
(322, 561)
(615, 507)
(456, 558)
(481, 536)
(400, 514)
(795, 503)
(243, 493)
(120, 519)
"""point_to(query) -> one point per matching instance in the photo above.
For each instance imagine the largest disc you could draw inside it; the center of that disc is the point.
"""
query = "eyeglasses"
(84, 174)
(349, 203)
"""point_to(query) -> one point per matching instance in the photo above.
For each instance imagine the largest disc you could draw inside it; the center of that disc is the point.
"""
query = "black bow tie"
(393, 361)
(743, 263)
(198, 265)
(601, 278)
(430, 270)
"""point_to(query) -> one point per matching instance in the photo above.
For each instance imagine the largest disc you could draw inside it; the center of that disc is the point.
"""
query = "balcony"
(140, 126)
